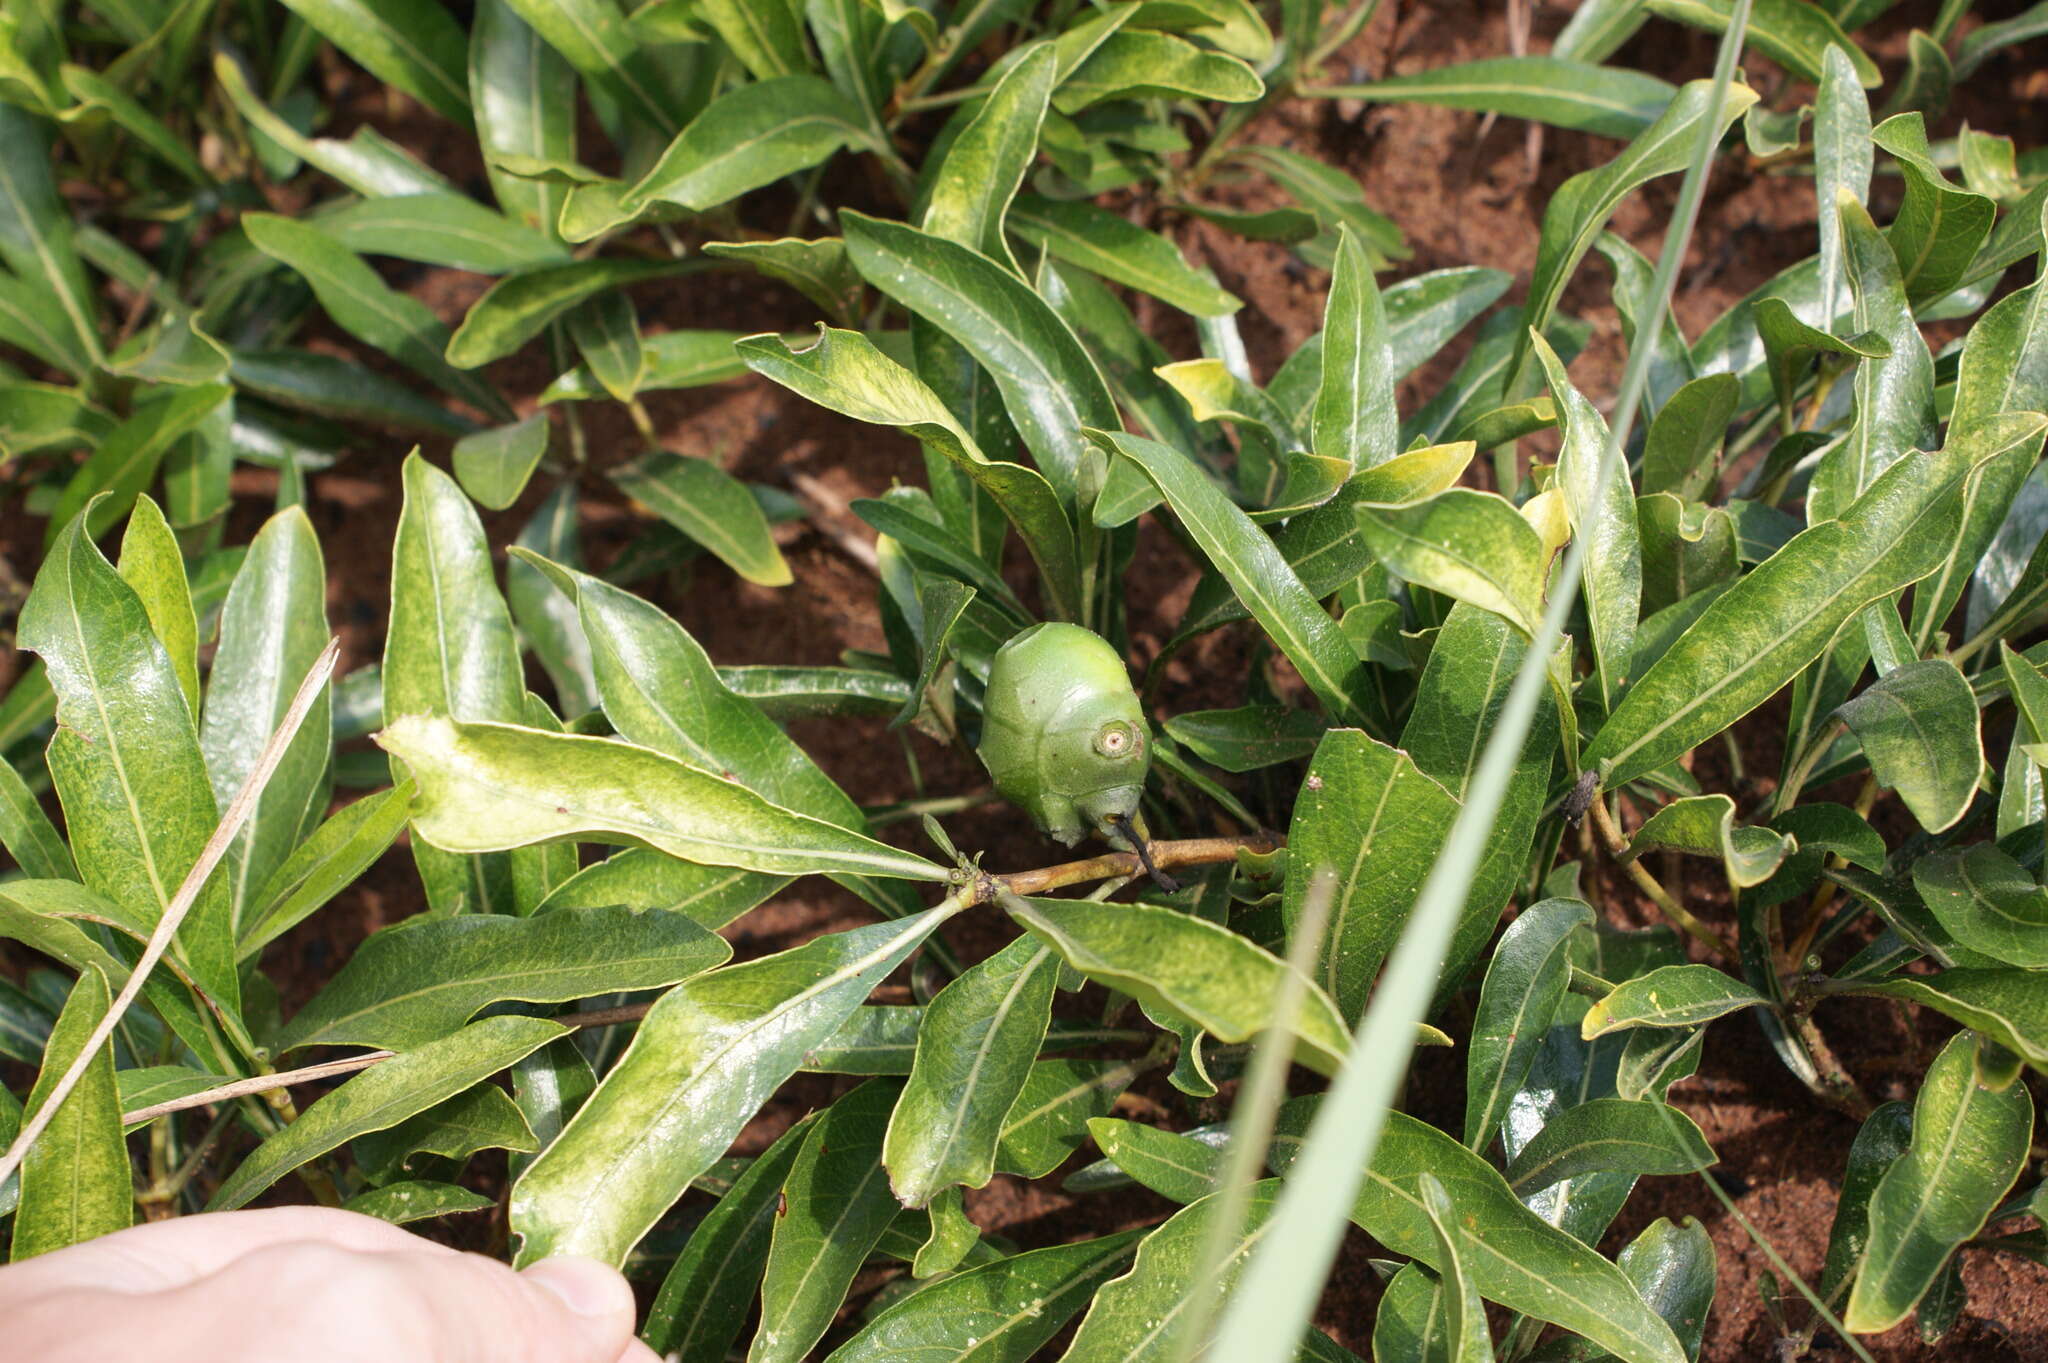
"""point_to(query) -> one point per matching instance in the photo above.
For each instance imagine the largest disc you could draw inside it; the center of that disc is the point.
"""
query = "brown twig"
(1617, 846)
(1184, 852)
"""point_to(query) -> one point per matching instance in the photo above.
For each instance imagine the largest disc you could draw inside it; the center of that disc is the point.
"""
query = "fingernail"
(585, 1286)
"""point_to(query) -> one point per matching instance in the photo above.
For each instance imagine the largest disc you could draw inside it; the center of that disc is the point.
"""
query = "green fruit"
(1062, 732)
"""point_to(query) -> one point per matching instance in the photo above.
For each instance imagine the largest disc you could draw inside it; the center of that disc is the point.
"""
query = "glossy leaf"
(1355, 419)
(750, 136)
(2006, 1005)
(1794, 34)
(703, 1301)
(126, 462)
(846, 372)
(1175, 1165)
(1050, 387)
(1523, 986)
(363, 305)
(480, 1118)
(1674, 1268)
(1969, 1143)
(74, 1181)
(1939, 227)
(523, 95)
(711, 507)
(273, 627)
(975, 1048)
(703, 1061)
(1466, 1336)
(1133, 63)
(1188, 968)
(1471, 546)
(1704, 826)
(125, 759)
(383, 1096)
(973, 185)
(439, 229)
(1049, 1120)
(596, 39)
(1247, 738)
(1757, 635)
(519, 307)
(1612, 101)
(36, 242)
(417, 981)
(835, 1206)
(403, 1203)
(1003, 1312)
(1248, 559)
(1669, 996)
(493, 465)
(1619, 1135)
(1987, 901)
(1879, 1142)
(490, 787)
(323, 865)
(1918, 726)
(1366, 814)
(414, 46)
(1099, 241)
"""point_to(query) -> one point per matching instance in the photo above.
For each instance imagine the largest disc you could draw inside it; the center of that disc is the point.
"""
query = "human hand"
(308, 1284)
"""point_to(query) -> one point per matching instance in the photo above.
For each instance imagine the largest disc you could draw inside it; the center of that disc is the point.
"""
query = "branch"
(1647, 883)
(1187, 852)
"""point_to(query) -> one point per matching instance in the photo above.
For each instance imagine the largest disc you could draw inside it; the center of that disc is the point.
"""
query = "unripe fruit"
(1062, 732)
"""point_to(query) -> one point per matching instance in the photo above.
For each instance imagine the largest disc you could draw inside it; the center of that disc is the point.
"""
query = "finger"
(562, 1310)
(169, 1254)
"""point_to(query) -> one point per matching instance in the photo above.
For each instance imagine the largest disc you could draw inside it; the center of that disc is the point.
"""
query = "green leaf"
(1969, 1143)
(411, 44)
(1986, 39)
(1355, 419)
(424, 978)
(1604, 516)
(670, 359)
(403, 1203)
(710, 506)
(1472, 546)
(975, 1048)
(75, 1182)
(493, 465)
(1368, 815)
(973, 185)
(273, 628)
(1918, 727)
(126, 462)
(547, 617)
(364, 306)
(1515, 1257)
(439, 229)
(1612, 101)
(1790, 345)
(27, 833)
(1675, 1270)
(1582, 205)
(1187, 968)
(1761, 632)
(524, 97)
(1879, 1142)
(152, 564)
(748, 137)
(1133, 64)
(2008, 1006)
(1466, 1337)
(1003, 1312)
(1248, 738)
(847, 373)
(1049, 1120)
(1523, 987)
(491, 787)
(1939, 228)
(836, 1204)
(704, 1059)
(1255, 568)
(765, 35)
(36, 242)
(1616, 1135)
(595, 37)
(450, 650)
(1704, 826)
(641, 878)
(385, 1095)
(817, 267)
(323, 865)
(1171, 1164)
(1050, 388)
(519, 307)
(480, 1118)
(1792, 33)
(703, 1301)
(1669, 996)
(328, 386)
(1099, 241)
(1987, 901)
(125, 759)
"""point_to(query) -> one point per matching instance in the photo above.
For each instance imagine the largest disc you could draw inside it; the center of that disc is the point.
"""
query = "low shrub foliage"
(1751, 643)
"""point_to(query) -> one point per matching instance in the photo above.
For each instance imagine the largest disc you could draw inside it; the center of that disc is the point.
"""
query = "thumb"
(596, 1293)
(562, 1310)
